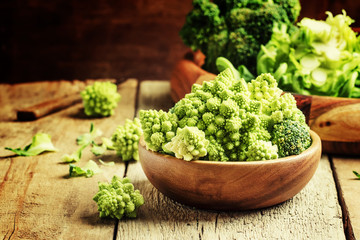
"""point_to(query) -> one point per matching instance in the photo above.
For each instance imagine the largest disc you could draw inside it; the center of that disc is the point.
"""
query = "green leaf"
(89, 170)
(41, 142)
(356, 174)
(98, 149)
(74, 157)
(87, 138)
(106, 163)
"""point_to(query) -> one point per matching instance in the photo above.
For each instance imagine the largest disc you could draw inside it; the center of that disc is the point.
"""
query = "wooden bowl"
(336, 120)
(230, 185)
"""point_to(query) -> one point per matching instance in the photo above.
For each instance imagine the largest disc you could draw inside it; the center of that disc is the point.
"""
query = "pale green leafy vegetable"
(89, 170)
(317, 58)
(74, 157)
(41, 142)
(83, 140)
(106, 163)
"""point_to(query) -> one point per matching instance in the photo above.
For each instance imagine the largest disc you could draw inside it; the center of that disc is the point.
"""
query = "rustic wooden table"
(39, 201)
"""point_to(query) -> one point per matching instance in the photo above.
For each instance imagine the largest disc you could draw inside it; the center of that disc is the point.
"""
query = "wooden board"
(314, 213)
(37, 200)
(349, 185)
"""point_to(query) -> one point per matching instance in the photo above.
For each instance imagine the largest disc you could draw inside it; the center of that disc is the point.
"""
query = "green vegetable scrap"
(126, 139)
(235, 29)
(89, 170)
(83, 140)
(317, 57)
(118, 199)
(41, 142)
(357, 174)
(100, 99)
(237, 119)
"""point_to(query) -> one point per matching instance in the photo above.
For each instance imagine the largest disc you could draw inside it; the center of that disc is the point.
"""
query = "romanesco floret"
(118, 198)
(159, 128)
(189, 143)
(100, 99)
(236, 117)
(262, 150)
(126, 139)
(291, 137)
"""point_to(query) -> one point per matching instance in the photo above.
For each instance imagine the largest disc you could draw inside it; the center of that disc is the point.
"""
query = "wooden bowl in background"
(335, 120)
(230, 185)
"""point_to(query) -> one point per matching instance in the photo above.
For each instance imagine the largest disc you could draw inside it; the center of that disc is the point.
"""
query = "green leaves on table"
(89, 170)
(41, 142)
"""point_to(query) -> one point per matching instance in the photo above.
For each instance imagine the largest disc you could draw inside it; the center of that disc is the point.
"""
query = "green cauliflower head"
(118, 199)
(126, 139)
(100, 99)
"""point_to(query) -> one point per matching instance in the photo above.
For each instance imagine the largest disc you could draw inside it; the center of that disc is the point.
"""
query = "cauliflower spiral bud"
(100, 99)
(126, 139)
(118, 198)
(189, 143)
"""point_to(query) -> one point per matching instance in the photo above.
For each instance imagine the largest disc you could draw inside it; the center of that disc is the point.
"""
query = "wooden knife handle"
(44, 108)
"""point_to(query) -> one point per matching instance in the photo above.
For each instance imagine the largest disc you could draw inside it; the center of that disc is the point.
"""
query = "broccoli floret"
(126, 139)
(235, 117)
(235, 29)
(189, 143)
(100, 99)
(118, 198)
(291, 137)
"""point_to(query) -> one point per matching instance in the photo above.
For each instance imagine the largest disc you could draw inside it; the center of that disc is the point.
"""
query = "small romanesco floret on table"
(126, 139)
(100, 99)
(236, 117)
(291, 137)
(118, 199)
(189, 143)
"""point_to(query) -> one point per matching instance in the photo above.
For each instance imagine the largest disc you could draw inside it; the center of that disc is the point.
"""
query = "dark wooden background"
(73, 39)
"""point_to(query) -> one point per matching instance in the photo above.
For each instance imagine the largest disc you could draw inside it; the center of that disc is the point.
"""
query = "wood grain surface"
(38, 201)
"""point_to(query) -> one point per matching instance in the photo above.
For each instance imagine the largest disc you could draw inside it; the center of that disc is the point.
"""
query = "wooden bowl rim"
(315, 146)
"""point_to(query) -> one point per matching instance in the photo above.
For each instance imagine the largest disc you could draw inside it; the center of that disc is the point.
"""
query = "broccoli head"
(291, 137)
(235, 29)
(118, 198)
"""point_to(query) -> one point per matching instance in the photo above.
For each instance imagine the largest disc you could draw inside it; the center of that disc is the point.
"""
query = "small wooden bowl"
(336, 120)
(230, 185)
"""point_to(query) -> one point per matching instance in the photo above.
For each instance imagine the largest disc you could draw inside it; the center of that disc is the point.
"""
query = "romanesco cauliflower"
(126, 139)
(100, 99)
(236, 117)
(118, 198)
(189, 143)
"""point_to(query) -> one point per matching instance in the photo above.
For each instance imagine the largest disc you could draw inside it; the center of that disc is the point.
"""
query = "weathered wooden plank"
(22, 95)
(37, 200)
(350, 192)
(314, 213)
